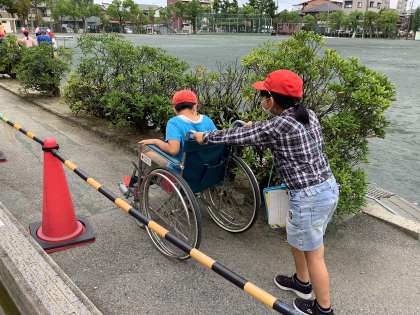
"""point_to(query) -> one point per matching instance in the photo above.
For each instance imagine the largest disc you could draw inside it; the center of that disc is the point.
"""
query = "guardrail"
(247, 286)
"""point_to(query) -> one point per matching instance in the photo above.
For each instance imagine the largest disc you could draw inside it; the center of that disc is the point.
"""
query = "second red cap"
(284, 82)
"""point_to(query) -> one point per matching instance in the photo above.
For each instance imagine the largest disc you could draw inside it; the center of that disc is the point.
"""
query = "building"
(8, 21)
(364, 5)
(348, 6)
(399, 5)
(319, 6)
(170, 2)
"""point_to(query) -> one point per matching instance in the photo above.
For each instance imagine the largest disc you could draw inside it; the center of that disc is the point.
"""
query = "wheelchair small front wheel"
(234, 204)
(166, 198)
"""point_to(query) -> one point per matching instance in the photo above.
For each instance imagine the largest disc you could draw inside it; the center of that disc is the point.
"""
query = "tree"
(217, 5)
(139, 18)
(414, 24)
(288, 17)
(387, 22)
(264, 7)
(335, 20)
(86, 9)
(189, 11)
(246, 9)
(354, 20)
(164, 15)
(123, 11)
(229, 7)
(369, 22)
(309, 22)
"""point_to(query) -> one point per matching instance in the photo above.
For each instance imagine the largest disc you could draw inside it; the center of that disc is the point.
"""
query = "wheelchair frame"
(231, 212)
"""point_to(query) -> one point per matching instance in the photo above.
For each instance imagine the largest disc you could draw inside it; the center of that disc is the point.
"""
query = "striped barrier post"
(247, 286)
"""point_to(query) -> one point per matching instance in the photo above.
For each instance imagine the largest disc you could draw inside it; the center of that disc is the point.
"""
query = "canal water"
(393, 161)
(6, 304)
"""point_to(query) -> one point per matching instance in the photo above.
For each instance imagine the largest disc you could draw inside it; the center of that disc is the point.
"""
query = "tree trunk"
(84, 19)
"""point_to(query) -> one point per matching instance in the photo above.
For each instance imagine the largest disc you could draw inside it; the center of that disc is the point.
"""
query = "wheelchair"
(173, 192)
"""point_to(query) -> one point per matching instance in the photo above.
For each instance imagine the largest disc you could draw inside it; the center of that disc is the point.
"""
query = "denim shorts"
(310, 211)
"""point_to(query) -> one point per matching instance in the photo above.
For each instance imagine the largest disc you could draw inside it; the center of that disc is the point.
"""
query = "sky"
(281, 4)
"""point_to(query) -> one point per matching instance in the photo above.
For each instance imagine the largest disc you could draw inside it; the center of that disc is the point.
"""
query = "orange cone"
(60, 229)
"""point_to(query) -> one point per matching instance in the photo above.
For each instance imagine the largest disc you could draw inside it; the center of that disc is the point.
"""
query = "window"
(371, 4)
(359, 4)
(348, 4)
(379, 5)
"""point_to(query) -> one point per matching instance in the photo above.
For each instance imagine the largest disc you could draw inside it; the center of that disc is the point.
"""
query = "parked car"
(65, 28)
(128, 30)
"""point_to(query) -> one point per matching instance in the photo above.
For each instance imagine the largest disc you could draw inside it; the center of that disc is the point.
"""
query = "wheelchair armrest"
(167, 156)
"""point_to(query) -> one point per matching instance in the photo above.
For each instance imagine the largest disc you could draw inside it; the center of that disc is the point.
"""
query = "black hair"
(184, 105)
(285, 101)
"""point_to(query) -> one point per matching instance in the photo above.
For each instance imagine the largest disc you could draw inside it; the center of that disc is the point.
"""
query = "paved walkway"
(374, 267)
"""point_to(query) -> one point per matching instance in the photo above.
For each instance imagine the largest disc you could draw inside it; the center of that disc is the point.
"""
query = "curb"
(123, 136)
(35, 283)
(410, 227)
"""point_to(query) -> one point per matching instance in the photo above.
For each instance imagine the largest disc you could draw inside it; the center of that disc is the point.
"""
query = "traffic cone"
(60, 229)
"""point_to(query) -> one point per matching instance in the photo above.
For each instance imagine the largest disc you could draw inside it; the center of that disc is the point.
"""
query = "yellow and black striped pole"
(250, 288)
(17, 126)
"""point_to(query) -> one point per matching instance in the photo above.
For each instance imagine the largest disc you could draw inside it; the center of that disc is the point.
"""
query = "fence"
(233, 23)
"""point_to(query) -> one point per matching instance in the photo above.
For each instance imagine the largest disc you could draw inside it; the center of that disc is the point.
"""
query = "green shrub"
(221, 92)
(42, 70)
(124, 83)
(349, 99)
(11, 55)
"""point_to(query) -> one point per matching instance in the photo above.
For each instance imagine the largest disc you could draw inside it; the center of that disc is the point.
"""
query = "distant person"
(2, 157)
(2, 32)
(27, 40)
(43, 38)
(37, 31)
(53, 39)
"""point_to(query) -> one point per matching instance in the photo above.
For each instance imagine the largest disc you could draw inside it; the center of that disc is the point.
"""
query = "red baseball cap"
(284, 82)
(184, 96)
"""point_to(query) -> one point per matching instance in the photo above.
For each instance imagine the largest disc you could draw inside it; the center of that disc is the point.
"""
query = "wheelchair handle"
(238, 123)
(190, 136)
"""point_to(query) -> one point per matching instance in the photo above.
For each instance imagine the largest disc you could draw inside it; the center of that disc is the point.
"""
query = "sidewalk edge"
(28, 282)
(410, 227)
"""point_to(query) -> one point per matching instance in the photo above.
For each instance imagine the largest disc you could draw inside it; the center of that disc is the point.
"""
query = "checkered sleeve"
(260, 133)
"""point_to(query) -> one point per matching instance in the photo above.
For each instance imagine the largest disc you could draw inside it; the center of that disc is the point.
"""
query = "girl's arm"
(259, 133)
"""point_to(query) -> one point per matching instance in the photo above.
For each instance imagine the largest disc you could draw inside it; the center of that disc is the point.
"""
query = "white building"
(7, 21)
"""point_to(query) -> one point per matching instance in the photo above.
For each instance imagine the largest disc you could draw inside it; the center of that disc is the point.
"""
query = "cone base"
(87, 236)
(79, 230)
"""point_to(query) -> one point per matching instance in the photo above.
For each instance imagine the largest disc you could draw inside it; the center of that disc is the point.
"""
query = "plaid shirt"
(297, 150)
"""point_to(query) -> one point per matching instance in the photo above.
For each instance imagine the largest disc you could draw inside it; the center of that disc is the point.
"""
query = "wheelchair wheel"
(234, 204)
(167, 199)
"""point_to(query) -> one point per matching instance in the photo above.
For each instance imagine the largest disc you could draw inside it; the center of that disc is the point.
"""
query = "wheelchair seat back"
(204, 165)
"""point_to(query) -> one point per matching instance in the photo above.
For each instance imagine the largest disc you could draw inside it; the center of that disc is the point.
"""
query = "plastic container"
(277, 205)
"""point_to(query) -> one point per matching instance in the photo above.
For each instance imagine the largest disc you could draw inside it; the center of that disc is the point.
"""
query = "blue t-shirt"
(43, 38)
(178, 126)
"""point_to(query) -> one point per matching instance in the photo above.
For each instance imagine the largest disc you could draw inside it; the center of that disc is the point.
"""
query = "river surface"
(394, 162)
(6, 304)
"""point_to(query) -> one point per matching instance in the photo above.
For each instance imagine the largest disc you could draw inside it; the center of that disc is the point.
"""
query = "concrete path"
(374, 267)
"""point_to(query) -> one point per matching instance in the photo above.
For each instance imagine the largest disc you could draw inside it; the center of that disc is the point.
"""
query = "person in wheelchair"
(187, 119)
